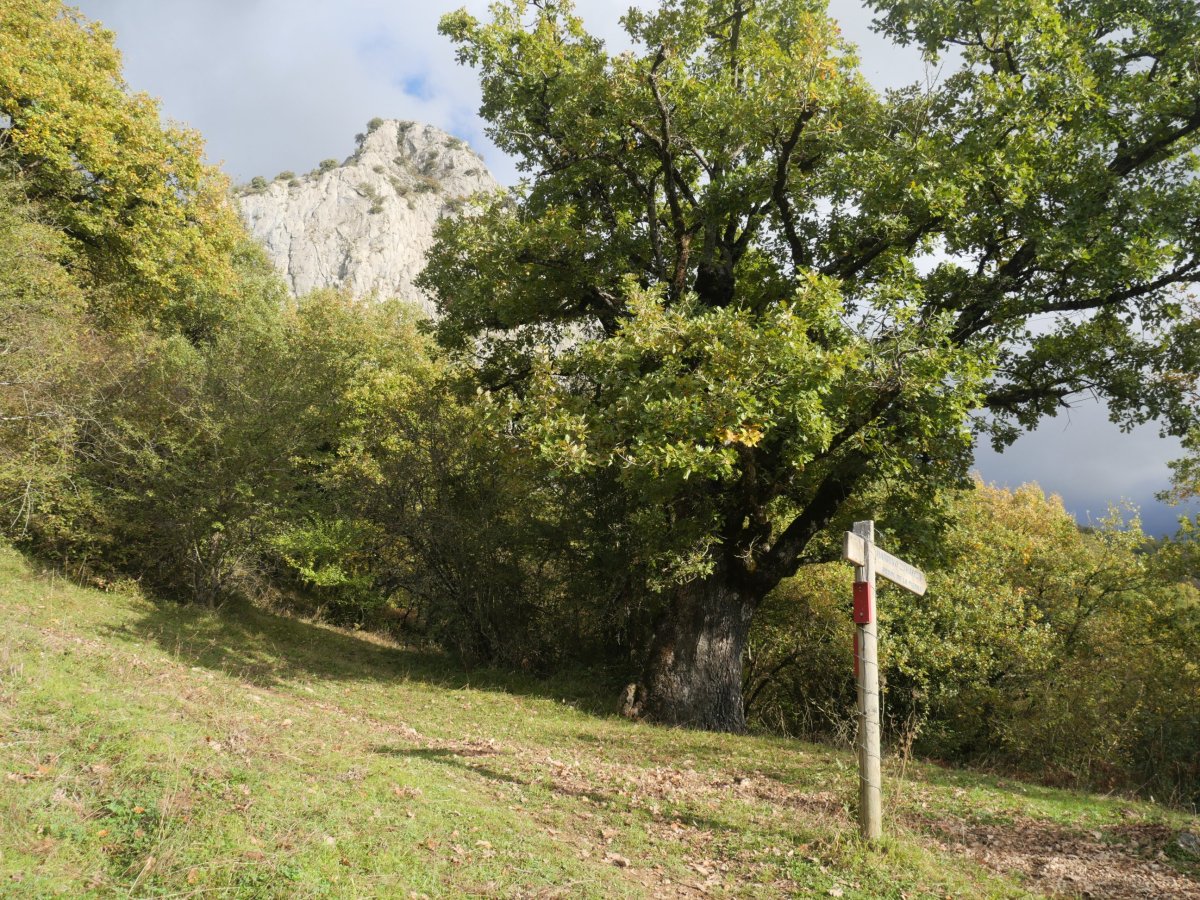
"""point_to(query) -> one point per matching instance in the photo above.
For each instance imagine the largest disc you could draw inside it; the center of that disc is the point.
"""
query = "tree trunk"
(693, 676)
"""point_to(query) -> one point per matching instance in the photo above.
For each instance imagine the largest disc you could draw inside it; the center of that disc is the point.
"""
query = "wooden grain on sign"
(854, 549)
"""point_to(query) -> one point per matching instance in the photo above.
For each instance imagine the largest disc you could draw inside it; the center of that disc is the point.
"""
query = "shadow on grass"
(598, 795)
(449, 757)
(266, 649)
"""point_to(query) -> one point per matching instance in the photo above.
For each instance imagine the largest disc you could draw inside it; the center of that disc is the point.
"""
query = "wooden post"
(869, 561)
(870, 778)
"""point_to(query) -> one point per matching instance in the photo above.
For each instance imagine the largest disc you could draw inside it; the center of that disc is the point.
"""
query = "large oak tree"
(739, 287)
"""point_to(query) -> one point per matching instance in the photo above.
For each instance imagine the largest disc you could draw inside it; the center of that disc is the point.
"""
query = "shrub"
(426, 184)
(1053, 650)
(429, 163)
(369, 191)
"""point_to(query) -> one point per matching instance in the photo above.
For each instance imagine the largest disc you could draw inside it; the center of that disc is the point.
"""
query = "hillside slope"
(154, 749)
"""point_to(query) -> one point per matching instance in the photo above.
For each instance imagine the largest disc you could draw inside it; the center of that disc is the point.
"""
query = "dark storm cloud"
(282, 84)
(1091, 464)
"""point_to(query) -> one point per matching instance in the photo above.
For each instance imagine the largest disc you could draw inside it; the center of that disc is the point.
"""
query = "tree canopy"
(149, 218)
(741, 287)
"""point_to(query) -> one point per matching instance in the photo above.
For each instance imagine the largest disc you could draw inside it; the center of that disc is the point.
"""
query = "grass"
(158, 750)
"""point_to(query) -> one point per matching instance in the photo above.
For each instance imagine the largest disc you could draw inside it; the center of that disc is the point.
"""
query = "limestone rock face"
(367, 224)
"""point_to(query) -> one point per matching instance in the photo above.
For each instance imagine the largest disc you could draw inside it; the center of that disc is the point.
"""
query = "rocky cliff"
(366, 224)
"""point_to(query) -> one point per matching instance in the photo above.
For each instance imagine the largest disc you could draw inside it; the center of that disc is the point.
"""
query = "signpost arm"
(870, 793)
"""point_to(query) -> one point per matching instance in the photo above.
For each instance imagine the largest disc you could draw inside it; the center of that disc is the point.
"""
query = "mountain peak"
(366, 224)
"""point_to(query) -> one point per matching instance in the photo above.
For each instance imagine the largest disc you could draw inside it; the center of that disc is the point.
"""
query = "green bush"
(369, 191)
(48, 363)
(426, 184)
(1060, 652)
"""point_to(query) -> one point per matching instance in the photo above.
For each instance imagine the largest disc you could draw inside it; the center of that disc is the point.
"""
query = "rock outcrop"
(366, 224)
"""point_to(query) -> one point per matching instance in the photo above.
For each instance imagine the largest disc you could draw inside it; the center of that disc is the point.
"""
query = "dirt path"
(1125, 861)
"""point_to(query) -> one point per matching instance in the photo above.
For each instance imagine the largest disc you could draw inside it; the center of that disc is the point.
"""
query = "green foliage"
(148, 220)
(374, 125)
(426, 184)
(679, 400)
(142, 326)
(327, 165)
(1185, 472)
(1062, 652)
(735, 168)
(189, 472)
(371, 193)
(348, 355)
(220, 467)
(1184, 550)
(427, 500)
(46, 351)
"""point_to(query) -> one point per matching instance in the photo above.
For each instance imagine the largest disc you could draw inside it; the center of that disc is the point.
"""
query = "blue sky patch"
(417, 86)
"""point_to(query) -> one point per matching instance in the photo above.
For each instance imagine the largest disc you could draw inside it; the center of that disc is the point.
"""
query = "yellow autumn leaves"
(747, 435)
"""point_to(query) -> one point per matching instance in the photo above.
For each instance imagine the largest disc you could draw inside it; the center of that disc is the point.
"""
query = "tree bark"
(693, 675)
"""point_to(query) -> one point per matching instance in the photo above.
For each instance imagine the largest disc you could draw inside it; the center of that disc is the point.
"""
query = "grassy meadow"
(151, 749)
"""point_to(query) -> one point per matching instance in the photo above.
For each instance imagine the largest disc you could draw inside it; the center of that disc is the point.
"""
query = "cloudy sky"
(282, 84)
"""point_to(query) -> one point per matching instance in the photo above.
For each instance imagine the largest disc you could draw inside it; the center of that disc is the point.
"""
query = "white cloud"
(282, 84)
(278, 84)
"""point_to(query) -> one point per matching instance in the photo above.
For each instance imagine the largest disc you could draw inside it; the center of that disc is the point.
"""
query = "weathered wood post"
(859, 548)
(870, 777)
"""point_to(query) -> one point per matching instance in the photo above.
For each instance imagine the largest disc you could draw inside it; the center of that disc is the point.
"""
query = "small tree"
(147, 216)
(740, 287)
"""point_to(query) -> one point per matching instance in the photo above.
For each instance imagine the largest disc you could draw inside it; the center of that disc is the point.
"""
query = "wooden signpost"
(859, 548)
